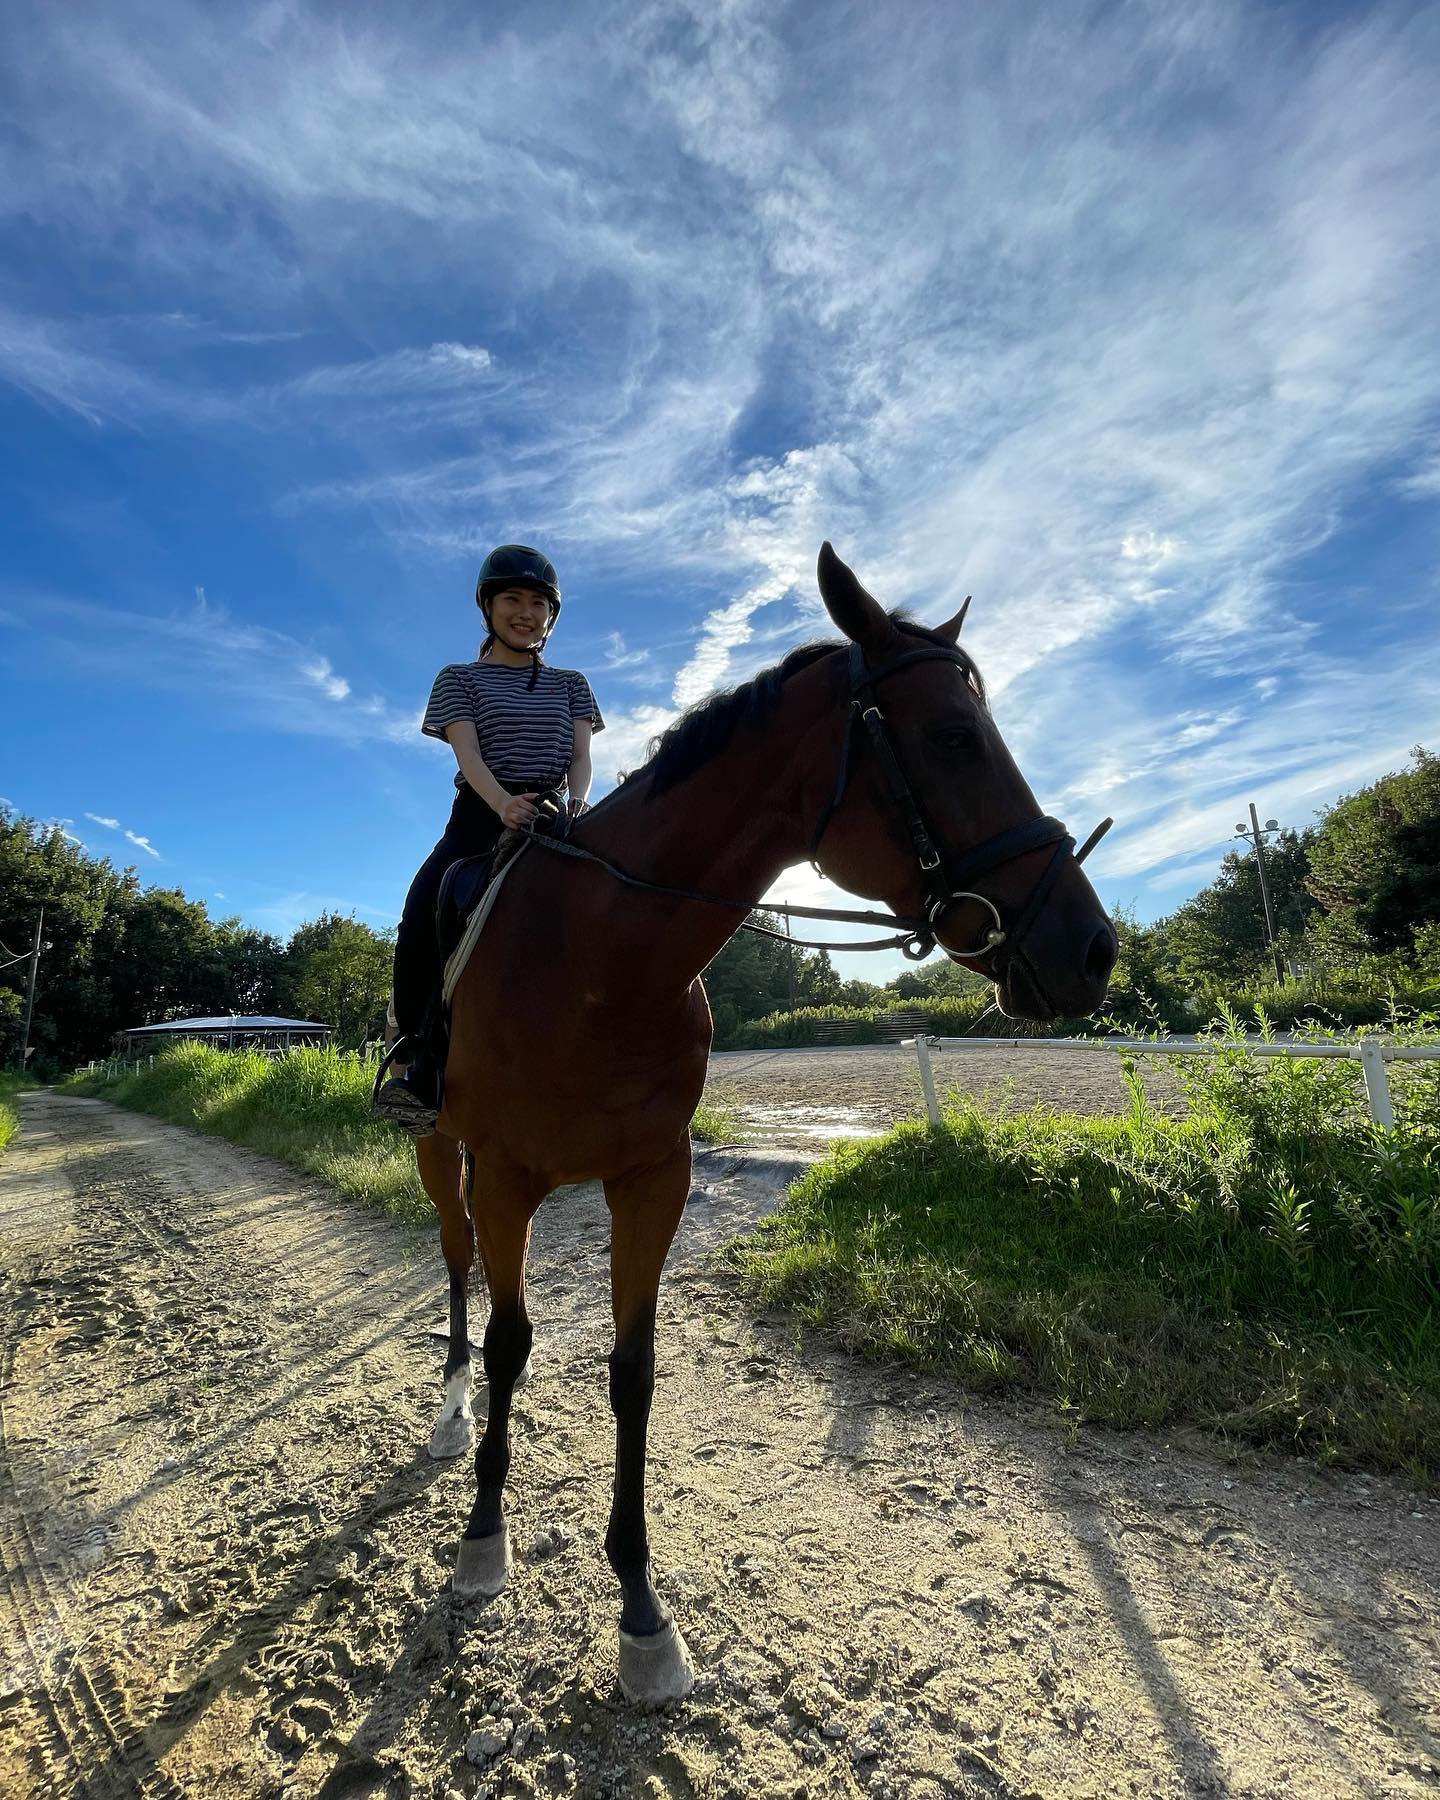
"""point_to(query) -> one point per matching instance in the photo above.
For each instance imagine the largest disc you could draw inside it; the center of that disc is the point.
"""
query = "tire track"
(83, 1725)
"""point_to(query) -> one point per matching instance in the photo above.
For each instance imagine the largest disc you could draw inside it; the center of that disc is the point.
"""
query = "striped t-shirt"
(526, 734)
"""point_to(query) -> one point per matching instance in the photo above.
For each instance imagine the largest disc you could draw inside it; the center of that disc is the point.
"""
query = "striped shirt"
(525, 734)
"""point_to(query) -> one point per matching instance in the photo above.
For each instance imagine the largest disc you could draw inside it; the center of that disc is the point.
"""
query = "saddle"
(466, 883)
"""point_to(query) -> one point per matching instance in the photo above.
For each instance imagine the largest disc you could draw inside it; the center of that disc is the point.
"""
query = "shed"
(230, 1031)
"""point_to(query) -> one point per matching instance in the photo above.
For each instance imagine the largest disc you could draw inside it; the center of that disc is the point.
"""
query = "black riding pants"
(473, 830)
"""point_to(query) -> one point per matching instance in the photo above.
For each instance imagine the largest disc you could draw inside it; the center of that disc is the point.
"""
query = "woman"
(519, 729)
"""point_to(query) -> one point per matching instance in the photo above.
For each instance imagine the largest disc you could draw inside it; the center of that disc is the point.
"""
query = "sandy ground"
(226, 1554)
(800, 1098)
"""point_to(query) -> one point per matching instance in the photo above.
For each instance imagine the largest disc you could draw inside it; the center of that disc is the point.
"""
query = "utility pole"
(30, 992)
(1257, 837)
(789, 964)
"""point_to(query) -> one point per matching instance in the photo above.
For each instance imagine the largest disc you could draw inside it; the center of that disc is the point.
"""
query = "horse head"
(931, 815)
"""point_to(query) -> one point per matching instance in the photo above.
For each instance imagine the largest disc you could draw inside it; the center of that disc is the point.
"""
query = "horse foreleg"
(502, 1222)
(645, 1210)
(447, 1172)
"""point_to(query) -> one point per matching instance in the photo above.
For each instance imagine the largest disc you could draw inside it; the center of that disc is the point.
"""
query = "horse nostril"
(1100, 957)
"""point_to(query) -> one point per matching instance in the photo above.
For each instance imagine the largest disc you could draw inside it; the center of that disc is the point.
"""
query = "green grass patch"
(1268, 1267)
(10, 1086)
(309, 1108)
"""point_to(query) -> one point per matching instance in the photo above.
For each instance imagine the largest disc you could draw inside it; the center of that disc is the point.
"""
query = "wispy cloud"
(210, 657)
(619, 657)
(141, 843)
(333, 686)
(1150, 325)
(284, 911)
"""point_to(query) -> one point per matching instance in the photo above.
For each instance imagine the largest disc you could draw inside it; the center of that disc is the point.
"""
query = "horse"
(580, 1031)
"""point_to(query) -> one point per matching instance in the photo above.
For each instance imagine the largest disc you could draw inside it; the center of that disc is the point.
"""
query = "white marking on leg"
(454, 1431)
(457, 1394)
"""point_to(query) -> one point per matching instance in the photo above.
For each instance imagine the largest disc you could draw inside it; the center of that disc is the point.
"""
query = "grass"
(10, 1086)
(1268, 1267)
(309, 1108)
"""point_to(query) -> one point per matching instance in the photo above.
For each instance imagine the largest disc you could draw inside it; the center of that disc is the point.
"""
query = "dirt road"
(803, 1098)
(226, 1552)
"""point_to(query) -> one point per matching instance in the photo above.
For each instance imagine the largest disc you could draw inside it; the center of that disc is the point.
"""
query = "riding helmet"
(517, 565)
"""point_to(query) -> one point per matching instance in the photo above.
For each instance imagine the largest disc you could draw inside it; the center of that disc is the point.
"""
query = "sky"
(1122, 317)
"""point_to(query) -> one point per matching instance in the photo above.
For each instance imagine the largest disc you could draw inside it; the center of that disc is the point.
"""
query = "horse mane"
(709, 725)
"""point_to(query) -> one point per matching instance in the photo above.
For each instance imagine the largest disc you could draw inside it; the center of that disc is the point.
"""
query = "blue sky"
(1121, 317)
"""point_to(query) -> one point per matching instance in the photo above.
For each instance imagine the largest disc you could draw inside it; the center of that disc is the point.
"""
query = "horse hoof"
(655, 1669)
(482, 1565)
(453, 1436)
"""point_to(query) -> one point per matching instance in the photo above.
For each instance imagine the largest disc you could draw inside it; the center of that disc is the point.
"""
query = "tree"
(168, 964)
(340, 975)
(936, 980)
(40, 866)
(255, 968)
(1375, 862)
(1217, 938)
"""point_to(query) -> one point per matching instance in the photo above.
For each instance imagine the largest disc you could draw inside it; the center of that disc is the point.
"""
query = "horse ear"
(858, 614)
(951, 628)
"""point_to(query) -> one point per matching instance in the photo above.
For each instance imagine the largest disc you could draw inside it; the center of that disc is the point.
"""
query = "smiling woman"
(521, 734)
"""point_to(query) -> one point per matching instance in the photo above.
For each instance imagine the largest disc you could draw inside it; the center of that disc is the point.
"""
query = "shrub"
(1268, 1265)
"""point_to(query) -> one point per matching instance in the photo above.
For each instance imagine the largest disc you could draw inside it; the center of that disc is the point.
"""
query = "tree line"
(116, 955)
(1356, 899)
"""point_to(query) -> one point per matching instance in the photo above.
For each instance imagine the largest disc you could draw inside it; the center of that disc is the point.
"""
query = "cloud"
(333, 686)
(204, 654)
(618, 657)
(625, 742)
(1147, 547)
(286, 911)
(1422, 483)
(141, 843)
(1117, 345)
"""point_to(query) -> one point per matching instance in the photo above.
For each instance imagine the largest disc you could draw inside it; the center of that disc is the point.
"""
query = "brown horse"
(581, 1032)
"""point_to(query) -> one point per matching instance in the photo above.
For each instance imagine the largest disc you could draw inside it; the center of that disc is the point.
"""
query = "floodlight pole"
(1265, 893)
(30, 992)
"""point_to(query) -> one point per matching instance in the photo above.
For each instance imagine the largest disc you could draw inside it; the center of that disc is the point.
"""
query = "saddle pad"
(474, 925)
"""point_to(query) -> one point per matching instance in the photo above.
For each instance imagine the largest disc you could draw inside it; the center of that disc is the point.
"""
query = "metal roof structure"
(232, 1022)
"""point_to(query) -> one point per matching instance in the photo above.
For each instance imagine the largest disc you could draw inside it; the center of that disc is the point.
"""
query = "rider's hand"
(578, 806)
(518, 811)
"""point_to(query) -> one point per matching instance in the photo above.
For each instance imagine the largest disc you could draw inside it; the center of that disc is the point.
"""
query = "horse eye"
(956, 737)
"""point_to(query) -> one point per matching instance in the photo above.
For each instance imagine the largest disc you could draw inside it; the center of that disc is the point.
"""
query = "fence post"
(927, 1079)
(1377, 1087)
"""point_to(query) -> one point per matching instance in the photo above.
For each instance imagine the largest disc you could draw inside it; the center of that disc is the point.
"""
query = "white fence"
(1372, 1054)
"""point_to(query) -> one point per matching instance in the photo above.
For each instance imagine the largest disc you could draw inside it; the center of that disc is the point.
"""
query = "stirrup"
(401, 1043)
(395, 1103)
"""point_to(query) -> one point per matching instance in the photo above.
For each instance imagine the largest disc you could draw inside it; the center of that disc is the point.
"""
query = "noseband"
(945, 876)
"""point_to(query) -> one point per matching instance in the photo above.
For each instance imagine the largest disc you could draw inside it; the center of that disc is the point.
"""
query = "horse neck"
(730, 827)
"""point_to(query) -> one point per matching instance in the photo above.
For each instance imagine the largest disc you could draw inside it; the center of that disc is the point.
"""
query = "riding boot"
(411, 1100)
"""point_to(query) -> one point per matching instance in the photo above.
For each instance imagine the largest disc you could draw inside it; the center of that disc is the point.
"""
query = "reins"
(942, 877)
(562, 847)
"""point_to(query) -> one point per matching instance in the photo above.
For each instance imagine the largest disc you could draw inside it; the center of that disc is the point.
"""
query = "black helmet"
(517, 565)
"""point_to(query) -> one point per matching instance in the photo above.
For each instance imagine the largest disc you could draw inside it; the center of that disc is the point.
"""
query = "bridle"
(944, 877)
